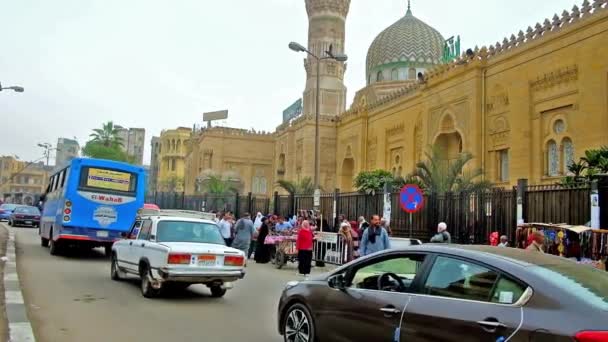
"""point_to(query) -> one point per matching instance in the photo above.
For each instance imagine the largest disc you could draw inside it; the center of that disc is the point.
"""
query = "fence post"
(237, 207)
(595, 205)
(522, 185)
(276, 202)
(250, 205)
(336, 202)
(183, 200)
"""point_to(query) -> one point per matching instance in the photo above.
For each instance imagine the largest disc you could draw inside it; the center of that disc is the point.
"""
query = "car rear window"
(184, 231)
(27, 210)
(8, 206)
(584, 282)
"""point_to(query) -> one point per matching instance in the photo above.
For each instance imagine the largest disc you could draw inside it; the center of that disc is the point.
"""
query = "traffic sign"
(411, 198)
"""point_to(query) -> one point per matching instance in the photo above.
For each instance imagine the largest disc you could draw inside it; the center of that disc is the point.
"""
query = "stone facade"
(172, 151)
(154, 164)
(524, 107)
(133, 140)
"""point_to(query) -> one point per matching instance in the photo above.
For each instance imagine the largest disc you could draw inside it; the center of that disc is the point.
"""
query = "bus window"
(109, 181)
(62, 175)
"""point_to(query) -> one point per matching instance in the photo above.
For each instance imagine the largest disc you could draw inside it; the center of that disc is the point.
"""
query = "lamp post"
(330, 55)
(17, 89)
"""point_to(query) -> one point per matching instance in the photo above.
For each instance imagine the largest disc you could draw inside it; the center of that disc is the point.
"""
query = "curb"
(19, 326)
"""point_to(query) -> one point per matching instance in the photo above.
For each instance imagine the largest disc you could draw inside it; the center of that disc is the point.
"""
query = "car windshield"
(8, 206)
(184, 231)
(27, 210)
(587, 283)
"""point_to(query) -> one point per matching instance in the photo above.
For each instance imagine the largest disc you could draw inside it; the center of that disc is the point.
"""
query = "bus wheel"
(54, 247)
(44, 242)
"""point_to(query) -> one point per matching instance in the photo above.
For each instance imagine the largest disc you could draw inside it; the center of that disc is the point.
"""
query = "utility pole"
(47, 151)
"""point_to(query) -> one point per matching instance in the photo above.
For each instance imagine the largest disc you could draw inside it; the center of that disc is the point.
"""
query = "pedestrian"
(347, 240)
(386, 225)
(538, 240)
(304, 247)
(262, 250)
(504, 241)
(354, 231)
(362, 224)
(244, 233)
(374, 239)
(283, 226)
(442, 236)
(226, 229)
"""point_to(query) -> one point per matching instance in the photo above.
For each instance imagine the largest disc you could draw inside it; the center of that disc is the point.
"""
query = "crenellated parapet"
(322, 7)
(229, 131)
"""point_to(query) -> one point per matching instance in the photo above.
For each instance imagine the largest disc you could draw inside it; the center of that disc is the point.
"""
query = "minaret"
(326, 28)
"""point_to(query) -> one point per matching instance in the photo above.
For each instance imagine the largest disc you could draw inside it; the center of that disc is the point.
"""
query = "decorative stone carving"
(372, 145)
(395, 130)
(498, 101)
(564, 75)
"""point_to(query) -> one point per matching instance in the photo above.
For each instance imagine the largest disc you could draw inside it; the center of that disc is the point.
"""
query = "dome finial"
(409, 8)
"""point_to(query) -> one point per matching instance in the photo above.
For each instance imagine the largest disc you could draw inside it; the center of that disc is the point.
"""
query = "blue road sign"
(411, 198)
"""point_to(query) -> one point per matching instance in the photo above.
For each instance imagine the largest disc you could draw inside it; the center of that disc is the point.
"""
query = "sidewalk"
(3, 319)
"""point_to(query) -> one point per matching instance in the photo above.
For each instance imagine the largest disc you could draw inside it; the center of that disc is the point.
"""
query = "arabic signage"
(109, 179)
(105, 215)
(292, 111)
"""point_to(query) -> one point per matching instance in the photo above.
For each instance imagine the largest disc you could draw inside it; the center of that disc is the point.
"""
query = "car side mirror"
(337, 282)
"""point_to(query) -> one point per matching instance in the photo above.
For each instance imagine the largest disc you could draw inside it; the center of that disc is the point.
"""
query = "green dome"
(409, 41)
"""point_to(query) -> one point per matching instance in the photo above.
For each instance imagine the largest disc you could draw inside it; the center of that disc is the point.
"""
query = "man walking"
(244, 232)
(442, 236)
(225, 229)
(375, 238)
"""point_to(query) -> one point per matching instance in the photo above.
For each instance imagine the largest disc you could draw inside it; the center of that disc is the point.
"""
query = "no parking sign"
(411, 198)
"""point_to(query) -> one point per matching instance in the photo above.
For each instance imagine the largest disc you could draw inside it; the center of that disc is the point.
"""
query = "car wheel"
(10, 223)
(281, 259)
(54, 247)
(146, 285)
(44, 242)
(217, 291)
(298, 325)
(115, 272)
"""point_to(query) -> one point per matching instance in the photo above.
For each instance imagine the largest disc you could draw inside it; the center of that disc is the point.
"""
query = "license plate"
(28, 222)
(207, 260)
(102, 233)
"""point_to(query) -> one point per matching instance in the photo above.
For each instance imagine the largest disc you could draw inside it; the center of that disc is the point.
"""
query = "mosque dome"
(403, 49)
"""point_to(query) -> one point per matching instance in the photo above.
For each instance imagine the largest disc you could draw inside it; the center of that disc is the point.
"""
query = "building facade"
(525, 107)
(154, 164)
(22, 182)
(172, 151)
(133, 140)
(67, 149)
(243, 158)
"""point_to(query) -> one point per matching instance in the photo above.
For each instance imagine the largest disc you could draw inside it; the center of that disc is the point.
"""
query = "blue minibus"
(91, 203)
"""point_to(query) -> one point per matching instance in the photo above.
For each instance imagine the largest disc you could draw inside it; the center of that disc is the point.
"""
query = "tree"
(440, 177)
(215, 185)
(303, 187)
(593, 163)
(372, 182)
(107, 135)
(93, 149)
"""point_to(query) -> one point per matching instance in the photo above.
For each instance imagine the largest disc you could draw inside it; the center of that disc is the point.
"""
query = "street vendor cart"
(284, 249)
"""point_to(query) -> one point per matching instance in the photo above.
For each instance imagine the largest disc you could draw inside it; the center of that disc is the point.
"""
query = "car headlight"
(291, 284)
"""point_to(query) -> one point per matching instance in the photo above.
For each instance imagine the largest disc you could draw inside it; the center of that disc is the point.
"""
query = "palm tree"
(107, 135)
(439, 177)
(215, 185)
(302, 187)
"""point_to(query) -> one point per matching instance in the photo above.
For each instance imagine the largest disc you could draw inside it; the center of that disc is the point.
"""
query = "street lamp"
(17, 89)
(330, 55)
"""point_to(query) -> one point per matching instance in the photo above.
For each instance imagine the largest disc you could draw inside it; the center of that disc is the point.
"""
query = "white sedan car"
(173, 252)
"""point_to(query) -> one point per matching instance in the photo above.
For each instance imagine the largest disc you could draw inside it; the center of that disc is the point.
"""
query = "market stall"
(586, 245)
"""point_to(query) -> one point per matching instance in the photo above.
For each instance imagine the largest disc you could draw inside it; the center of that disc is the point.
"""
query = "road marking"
(19, 330)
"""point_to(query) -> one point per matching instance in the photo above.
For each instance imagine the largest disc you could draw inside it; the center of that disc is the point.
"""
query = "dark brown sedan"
(449, 293)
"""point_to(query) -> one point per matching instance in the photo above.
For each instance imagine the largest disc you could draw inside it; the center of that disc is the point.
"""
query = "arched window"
(552, 159)
(567, 154)
(394, 74)
(411, 74)
(179, 145)
(379, 76)
(173, 145)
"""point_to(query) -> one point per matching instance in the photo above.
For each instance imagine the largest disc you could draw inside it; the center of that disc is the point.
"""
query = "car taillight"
(179, 259)
(66, 218)
(592, 336)
(232, 260)
(68, 203)
(67, 211)
(1, 211)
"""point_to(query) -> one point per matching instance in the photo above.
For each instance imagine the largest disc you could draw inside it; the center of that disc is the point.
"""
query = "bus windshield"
(108, 181)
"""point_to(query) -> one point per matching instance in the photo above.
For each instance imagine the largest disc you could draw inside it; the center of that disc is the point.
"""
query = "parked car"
(6, 210)
(397, 243)
(449, 293)
(172, 252)
(25, 216)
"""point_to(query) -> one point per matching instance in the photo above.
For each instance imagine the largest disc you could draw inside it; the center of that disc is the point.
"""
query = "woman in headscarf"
(262, 250)
(304, 245)
(347, 239)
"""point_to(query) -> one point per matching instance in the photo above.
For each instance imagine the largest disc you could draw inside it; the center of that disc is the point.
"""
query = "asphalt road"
(72, 298)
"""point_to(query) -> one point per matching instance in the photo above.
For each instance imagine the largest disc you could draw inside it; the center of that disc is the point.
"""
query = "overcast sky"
(160, 64)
